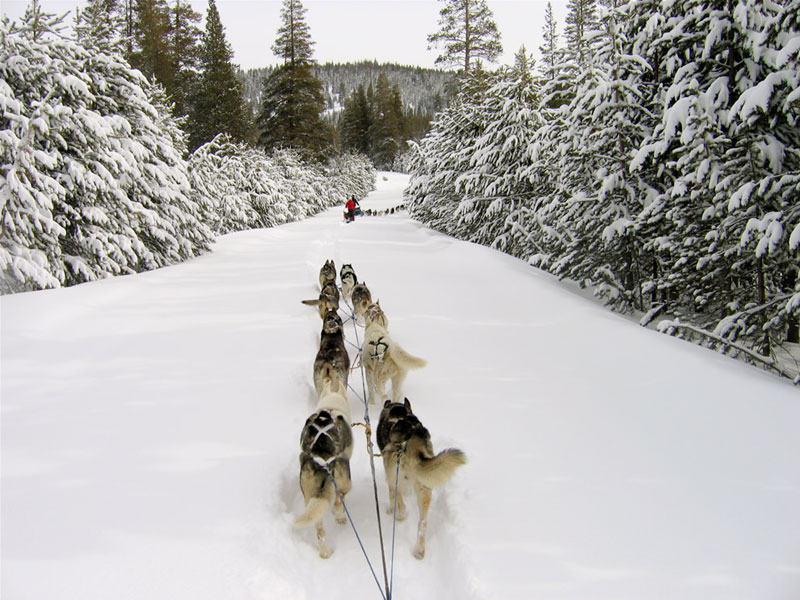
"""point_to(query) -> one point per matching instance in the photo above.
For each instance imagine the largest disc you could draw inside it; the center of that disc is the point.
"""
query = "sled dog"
(361, 298)
(384, 359)
(402, 437)
(326, 445)
(328, 299)
(349, 280)
(332, 363)
(327, 273)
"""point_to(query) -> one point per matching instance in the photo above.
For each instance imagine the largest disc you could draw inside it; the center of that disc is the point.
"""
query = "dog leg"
(324, 550)
(390, 468)
(338, 511)
(424, 502)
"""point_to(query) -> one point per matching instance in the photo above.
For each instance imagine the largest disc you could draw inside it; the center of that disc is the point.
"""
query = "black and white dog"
(401, 437)
(326, 445)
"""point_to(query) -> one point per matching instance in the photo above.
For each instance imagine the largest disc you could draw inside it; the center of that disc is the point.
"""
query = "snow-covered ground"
(150, 433)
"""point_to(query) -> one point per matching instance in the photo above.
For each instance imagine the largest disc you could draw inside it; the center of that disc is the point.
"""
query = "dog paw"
(341, 520)
(419, 553)
(325, 552)
(401, 514)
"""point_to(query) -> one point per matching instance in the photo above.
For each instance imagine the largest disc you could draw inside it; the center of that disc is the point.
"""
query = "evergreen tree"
(356, 122)
(294, 44)
(218, 106)
(384, 132)
(186, 56)
(581, 20)
(93, 179)
(467, 32)
(152, 54)
(291, 111)
(549, 50)
(292, 100)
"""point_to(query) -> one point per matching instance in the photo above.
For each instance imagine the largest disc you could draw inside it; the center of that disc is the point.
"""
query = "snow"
(150, 434)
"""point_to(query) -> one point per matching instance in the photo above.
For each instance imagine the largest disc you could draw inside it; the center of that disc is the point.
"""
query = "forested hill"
(422, 90)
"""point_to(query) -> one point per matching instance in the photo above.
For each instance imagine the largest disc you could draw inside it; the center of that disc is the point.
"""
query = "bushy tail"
(436, 471)
(316, 507)
(315, 510)
(404, 359)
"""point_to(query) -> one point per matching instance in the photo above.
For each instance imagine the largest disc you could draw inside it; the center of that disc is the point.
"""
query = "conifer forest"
(650, 153)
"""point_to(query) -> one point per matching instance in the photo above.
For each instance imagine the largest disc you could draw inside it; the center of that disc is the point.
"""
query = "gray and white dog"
(361, 298)
(383, 358)
(349, 280)
(326, 445)
(401, 436)
(327, 273)
(328, 298)
(332, 363)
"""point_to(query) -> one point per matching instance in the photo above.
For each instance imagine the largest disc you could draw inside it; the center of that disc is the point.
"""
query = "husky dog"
(349, 280)
(384, 359)
(328, 299)
(326, 445)
(332, 363)
(327, 273)
(402, 437)
(361, 298)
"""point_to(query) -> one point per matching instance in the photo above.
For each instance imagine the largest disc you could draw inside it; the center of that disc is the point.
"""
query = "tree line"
(654, 158)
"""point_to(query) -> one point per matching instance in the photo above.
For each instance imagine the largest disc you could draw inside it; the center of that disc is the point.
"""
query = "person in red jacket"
(351, 210)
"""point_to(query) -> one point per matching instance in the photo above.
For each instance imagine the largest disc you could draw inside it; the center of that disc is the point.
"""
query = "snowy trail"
(150, 432)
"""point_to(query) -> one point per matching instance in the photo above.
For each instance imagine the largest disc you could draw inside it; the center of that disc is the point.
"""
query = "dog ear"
(386, 403)
(408, 404)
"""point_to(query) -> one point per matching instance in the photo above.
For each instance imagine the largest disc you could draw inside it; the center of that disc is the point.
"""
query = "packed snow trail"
(150, 435)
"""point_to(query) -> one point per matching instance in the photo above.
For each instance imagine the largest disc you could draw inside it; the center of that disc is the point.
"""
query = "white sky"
(352, 30)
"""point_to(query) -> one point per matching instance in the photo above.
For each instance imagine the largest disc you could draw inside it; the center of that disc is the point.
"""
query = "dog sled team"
(352, 209)
(326, 441)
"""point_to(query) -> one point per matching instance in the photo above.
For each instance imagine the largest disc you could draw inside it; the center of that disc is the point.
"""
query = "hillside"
(422, 90)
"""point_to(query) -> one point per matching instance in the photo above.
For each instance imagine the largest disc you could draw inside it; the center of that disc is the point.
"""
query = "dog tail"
(311, 302)
(317, 506)
(405, 359)
(435, 471)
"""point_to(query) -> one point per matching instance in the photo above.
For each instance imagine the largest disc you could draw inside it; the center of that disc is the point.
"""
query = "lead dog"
(332, 363)
(384, 359)
(327, 273)
(402, 436)
(326, 445)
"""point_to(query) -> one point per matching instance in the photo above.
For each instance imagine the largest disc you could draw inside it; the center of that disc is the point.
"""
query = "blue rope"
(371, 458)
(358, 537)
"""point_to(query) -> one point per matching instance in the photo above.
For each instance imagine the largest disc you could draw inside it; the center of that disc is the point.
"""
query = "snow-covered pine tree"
(121, 201)
(549, 50)
(762, 211)
(581, 20)
(499, 190)
(444, 155)
(607, 120)
(467, 32)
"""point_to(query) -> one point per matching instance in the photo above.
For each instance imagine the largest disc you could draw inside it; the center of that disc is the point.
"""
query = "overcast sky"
(352, 30)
